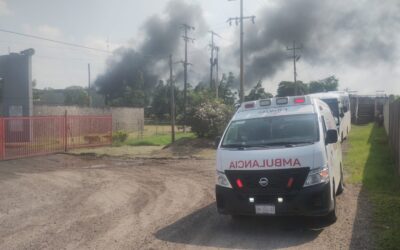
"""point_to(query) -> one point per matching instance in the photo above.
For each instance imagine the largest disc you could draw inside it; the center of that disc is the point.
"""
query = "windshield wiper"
(238, 146)
(289, 143)
(266, 145)
(243, 146)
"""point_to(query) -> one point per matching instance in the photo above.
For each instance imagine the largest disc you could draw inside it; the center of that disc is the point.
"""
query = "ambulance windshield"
(272, 131)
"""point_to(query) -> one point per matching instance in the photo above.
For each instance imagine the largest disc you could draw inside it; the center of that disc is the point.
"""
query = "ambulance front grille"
(278, 180)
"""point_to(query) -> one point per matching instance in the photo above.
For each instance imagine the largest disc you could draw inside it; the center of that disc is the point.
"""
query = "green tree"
(160, 107)
(287, 88)
(257, 93)
(226, 91)
(209, 117)
(331, 83)
(76, 96)
(316, 87)
(328, 84)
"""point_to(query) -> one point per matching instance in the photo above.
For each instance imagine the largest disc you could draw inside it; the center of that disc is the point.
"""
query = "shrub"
(209, 118)
(120, 136)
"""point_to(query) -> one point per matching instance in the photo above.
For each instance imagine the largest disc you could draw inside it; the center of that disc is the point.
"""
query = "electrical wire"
(53, 41)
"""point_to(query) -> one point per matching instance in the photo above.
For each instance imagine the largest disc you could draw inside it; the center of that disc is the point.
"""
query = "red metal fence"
(29, 136)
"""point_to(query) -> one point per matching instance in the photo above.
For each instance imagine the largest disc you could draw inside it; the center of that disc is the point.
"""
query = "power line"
(53, 41)
(295, 58)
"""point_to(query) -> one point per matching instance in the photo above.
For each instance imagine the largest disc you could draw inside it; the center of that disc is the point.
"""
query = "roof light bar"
(249, 105)
(282, 101)
(265, 102)
(299, 100)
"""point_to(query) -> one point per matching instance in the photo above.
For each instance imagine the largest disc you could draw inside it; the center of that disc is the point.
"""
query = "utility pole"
(89, 87)
(212, 60)
(186, 38)
(239, 20)
(295, 58)
(171, 82)
(216, 62)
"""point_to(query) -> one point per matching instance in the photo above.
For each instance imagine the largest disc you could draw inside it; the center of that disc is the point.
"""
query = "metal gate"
(30, 136)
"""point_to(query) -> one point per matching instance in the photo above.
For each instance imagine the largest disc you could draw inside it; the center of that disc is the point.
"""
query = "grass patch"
(157, 140)
(370, 163)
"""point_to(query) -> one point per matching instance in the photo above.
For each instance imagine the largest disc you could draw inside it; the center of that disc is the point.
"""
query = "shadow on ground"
(205, 227)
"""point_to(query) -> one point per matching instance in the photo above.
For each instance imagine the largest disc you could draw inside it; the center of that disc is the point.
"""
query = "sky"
(355, 40)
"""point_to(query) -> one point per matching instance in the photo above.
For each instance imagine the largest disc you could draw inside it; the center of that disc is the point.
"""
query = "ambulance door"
(331, 149)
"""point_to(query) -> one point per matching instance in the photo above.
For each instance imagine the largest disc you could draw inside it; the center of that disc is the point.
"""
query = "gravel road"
(68, 202)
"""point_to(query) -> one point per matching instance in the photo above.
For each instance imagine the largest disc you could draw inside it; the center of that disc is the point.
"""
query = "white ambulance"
(280, 156)
(339, 103)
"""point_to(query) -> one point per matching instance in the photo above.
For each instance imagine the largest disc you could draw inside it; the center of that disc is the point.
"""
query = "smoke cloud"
(357, 33)
(161, 36)
(353, 33)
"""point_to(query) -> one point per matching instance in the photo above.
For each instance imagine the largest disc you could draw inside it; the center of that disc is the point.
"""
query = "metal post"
(294, 68)
(171, 82)
(89, 87)
(241, 54)
(240, 20)
(65, 131)
(295, 59)
(2, 139)
(212, 60)
(185, 84)
(217, 72)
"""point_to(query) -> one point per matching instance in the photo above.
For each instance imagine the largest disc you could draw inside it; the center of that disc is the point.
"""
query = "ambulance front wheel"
(341, 183)
(331, 216)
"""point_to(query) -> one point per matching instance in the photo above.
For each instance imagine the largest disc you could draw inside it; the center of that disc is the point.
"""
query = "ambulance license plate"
(265, 209)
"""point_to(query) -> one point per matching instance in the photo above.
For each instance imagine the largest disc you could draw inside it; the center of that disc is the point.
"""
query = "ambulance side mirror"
(331, 136)
(217, 140)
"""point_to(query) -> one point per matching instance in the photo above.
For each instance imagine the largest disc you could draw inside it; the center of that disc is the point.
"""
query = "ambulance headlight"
(222, 180)
(317, 176)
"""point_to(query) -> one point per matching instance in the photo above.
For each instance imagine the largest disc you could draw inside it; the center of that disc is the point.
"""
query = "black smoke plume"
(356, 33)
(143, 66)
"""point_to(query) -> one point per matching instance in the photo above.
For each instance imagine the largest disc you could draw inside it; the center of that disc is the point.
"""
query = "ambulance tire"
(331, 216)
(341, 183)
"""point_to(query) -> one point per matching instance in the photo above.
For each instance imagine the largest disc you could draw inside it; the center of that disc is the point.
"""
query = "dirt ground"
(76, 202)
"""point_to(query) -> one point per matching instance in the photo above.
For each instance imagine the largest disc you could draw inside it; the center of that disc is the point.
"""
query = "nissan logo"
(263, 182)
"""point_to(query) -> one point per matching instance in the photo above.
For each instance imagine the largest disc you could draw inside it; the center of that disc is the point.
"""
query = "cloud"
(350, 39)
(333, 33)
(49, 31)
(4, 9)
(44, 30)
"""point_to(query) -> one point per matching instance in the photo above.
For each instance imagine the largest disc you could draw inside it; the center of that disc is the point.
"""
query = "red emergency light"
(300, 100)
(249, 105)
(239, 183)
(290, 182)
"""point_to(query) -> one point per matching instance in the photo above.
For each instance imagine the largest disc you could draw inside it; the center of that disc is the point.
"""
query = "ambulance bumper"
(309, 201)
